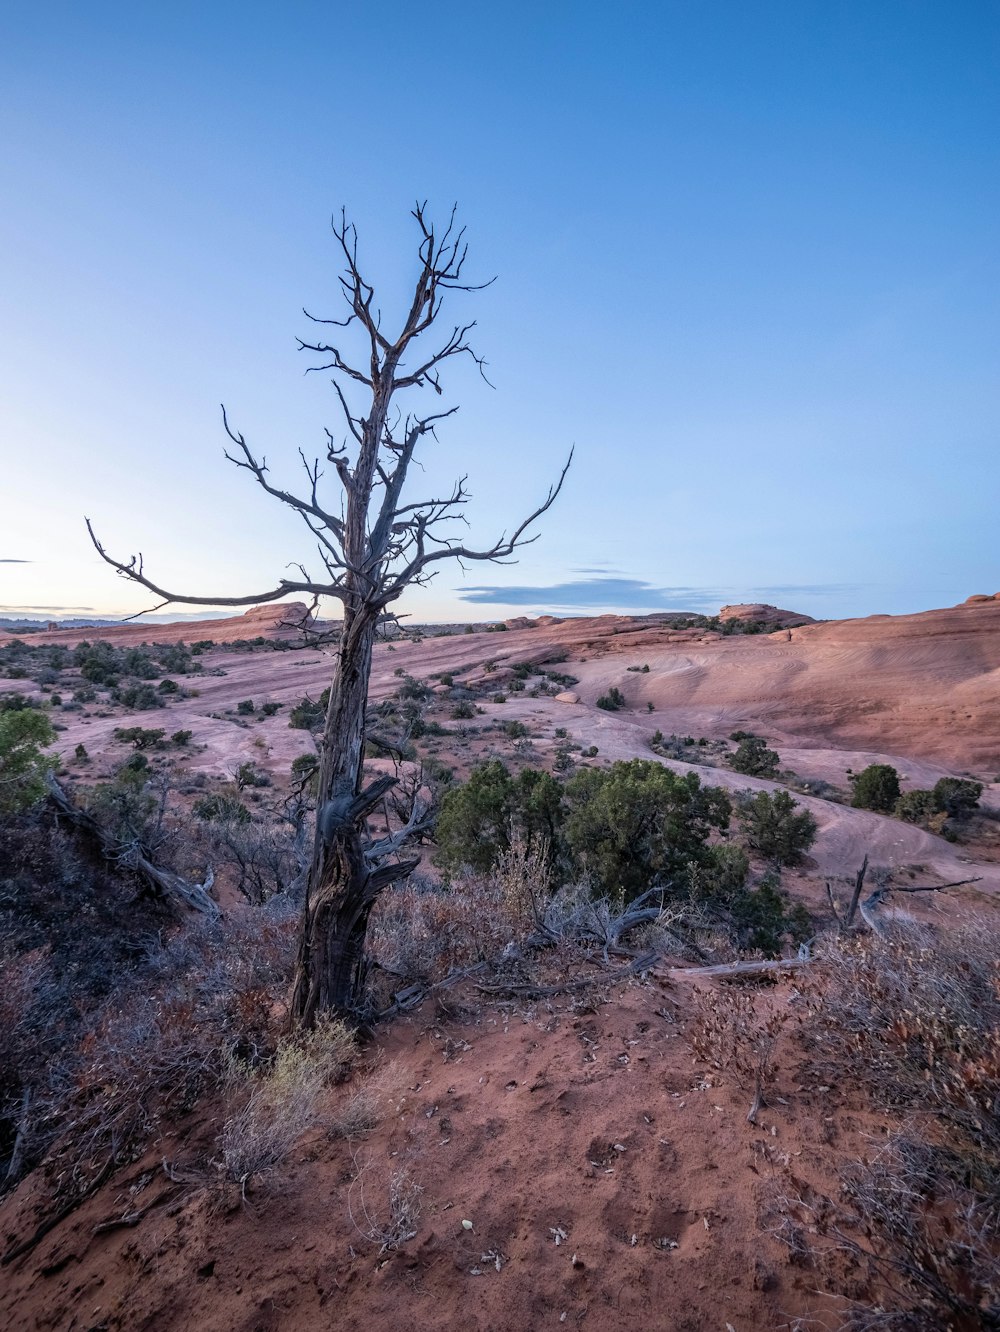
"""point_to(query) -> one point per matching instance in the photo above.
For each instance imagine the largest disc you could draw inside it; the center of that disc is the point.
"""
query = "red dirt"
(612, 1174)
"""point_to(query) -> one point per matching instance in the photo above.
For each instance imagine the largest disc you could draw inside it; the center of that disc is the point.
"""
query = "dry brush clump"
(737, 1028)
(919, 1015)
(280, 1100)
(393, 1218)
(146, 1053)
(915, 1019)
(424, 930)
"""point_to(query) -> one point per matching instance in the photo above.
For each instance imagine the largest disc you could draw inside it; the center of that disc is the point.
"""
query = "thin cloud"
(633, 595)
(16, 561)
(615, 594)
(811, 589)
(59, 610)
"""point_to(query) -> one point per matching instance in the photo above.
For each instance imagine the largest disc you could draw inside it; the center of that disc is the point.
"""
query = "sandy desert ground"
(611, 1179)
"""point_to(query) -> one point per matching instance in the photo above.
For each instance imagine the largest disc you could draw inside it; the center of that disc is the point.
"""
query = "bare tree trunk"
(342, 886)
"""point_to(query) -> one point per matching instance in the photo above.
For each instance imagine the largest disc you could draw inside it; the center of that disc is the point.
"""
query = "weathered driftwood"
(736, 970)
(532, 990)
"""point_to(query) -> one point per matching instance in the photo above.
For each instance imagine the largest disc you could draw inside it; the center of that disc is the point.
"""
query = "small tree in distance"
(753, 758)
(775, 827)
(876, 787)
(373, 543)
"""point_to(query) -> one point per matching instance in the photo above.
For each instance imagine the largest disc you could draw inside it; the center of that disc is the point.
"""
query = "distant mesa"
(281, 620)
(981, 596)
(758, 611)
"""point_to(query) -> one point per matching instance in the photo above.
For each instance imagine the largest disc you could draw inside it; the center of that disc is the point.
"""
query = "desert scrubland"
(538, 1123)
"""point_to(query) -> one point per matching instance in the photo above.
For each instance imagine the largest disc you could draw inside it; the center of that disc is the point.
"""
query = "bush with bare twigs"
(423, 930)
(916, 1018)
(737, 1029)
(147, 1050)
(395, 1225)
(360, 1109)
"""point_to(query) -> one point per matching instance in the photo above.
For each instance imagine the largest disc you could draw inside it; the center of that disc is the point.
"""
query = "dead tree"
(869, 907)
(373, 543)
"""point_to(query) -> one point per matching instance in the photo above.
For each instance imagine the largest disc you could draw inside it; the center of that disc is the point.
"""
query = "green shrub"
(463, 711)
(138, 663)
(139, 736)
(138, 696)
(221, 808)
(514, 730)
(269, 709)
(17, 702)
(248, 774)
(637, 825)
(956, 796)
(773, 829)
(181, 738)
(173, 657)
(876, 787)
(23, 764)
(245, 707)
(763, 915)
(308, 715)
(916, 806)
(475, 819)
(413, 689)
(753, 758)
(612, 701)
(169, 687)
(124, 806)
(722, 874)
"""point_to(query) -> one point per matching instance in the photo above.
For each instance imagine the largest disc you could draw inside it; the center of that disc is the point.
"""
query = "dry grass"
(285, 1099)
(918, 1016)
(360, 1108)
(392, 1222)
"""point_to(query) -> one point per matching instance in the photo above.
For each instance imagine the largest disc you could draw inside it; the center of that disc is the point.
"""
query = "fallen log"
(734, 970)
(164, 881)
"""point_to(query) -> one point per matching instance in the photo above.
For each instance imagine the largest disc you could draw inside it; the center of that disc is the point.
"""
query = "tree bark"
(340, 891)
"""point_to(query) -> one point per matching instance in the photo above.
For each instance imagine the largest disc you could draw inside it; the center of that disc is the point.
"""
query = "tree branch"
(132, 570)
(503, 548)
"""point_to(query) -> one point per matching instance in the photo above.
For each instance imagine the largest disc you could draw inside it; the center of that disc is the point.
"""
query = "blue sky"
(746, 260)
